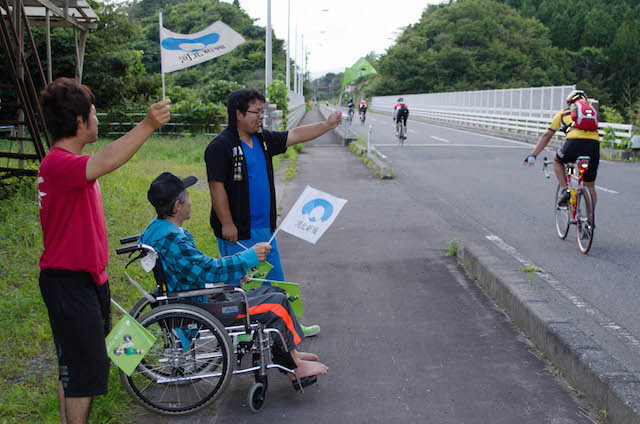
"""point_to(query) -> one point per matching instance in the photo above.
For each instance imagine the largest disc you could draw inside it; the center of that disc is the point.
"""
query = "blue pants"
(257, 235)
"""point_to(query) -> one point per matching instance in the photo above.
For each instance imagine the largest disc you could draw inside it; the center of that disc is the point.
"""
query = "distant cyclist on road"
(400, 115)
(350, 106)
(363, 109)
(580, 142)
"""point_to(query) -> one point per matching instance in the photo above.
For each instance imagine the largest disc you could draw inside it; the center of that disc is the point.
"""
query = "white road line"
(457, 145)
(606, 190)
(474, 133)
(439, 139)
(413, 131)
(599, 317)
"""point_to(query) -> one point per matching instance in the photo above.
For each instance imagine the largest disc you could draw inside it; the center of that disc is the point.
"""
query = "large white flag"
(179, 51)
(312, 214)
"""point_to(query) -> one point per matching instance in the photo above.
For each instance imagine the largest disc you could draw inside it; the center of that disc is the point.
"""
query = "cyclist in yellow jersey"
(579, 143)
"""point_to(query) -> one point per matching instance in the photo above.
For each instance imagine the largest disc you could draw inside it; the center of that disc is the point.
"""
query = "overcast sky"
(338, 32)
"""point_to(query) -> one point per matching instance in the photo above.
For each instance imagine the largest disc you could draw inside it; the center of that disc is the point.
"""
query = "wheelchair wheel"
(257, 396)
(188, 366)
(143, 305)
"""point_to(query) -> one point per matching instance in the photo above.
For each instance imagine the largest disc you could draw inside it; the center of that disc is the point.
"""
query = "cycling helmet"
(400, 99)
(574, 96)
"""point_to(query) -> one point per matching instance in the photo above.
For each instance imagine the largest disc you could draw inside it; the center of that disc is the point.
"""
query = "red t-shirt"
(71, 215)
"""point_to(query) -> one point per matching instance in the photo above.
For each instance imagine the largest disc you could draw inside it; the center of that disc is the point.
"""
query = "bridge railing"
(523, 110)
(296, 109)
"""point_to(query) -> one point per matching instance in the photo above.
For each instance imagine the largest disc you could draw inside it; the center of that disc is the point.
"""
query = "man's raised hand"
(158, 114)
(334, 119)
(262, 250)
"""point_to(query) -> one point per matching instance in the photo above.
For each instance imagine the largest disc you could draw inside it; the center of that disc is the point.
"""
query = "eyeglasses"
(257, 112)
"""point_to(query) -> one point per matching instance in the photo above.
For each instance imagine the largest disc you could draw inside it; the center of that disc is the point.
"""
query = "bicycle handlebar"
(545, 164)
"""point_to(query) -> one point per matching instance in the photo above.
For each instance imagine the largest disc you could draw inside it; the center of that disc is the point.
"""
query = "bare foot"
(309, 368)
(306, 356)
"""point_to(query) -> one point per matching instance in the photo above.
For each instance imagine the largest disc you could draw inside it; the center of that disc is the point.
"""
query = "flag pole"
(274, 235)
(164, 96)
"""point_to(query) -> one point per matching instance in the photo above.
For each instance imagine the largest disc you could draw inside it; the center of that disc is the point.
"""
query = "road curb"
(587, 365)
(382, 169)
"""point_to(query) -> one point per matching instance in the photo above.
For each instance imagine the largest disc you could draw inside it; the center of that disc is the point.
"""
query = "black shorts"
(573, 148)
(80, 317)
(402, 116)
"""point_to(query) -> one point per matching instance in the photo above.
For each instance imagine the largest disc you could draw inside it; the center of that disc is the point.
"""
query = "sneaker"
(564, 199)
(310, 331)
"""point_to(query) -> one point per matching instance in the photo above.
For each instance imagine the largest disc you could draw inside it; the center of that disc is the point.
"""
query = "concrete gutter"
(342, 131)
(382, 168)
(587, 365)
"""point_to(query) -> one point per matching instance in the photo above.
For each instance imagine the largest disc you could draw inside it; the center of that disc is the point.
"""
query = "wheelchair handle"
(123, 250)
(130, 239)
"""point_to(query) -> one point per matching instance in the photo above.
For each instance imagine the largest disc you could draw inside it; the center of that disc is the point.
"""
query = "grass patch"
(362, 152)
(288, 159)
(27, 357)
(530, 270)
(452, 247)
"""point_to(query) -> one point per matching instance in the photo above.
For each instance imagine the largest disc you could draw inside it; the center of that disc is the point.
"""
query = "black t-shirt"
(226, 164)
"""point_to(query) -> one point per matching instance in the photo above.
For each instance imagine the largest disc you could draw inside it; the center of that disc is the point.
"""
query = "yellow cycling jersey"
(564, 117)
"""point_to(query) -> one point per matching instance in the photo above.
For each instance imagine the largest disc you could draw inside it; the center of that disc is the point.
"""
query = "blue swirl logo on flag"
(179, 51)
(189, 45)
(312, 214)
(311, 208)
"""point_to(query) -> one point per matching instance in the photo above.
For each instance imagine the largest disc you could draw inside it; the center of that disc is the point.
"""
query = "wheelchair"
(194, 355)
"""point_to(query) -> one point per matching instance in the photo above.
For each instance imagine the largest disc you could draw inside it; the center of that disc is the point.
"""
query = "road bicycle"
(363, 116)
(401, 133)
(579, 210)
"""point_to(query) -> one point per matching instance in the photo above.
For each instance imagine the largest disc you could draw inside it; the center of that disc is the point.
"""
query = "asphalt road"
(481, 187)
(407, 336)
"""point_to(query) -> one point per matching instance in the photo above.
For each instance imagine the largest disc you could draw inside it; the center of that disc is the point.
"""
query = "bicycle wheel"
(585, 216)
(562, 215)
(188, 366)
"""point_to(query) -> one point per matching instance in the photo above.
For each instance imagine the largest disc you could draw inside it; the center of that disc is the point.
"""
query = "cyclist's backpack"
(403, 109)
(584, 116)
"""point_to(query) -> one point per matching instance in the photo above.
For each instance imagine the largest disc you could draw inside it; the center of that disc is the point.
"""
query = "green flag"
(360, 69)
(128, 343)
(292, 289)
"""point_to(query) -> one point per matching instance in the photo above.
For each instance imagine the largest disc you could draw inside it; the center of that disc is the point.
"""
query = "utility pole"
(288, 43)
(306, 67)
(301, 80)
(295, 64)
(268, 68)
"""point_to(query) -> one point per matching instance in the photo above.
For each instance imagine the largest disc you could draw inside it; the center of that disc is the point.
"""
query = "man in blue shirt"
(186, 268)
(240, 173)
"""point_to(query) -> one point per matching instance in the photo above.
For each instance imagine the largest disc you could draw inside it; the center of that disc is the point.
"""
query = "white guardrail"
(296, 109)
(520, 110)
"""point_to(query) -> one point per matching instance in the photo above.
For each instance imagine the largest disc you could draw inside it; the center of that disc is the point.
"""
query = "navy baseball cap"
(166, 188)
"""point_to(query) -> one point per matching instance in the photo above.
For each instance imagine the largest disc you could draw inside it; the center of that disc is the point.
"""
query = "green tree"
(471, 44)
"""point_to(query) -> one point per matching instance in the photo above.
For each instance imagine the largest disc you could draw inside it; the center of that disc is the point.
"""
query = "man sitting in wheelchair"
(186, 268)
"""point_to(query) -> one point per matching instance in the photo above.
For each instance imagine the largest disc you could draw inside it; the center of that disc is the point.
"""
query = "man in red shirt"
(73, 280)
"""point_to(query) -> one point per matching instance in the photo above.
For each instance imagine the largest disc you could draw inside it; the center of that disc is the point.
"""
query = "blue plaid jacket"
(184, 266)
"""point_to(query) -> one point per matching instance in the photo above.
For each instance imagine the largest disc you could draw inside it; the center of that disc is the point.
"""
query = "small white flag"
(179, 51)
(312, 214)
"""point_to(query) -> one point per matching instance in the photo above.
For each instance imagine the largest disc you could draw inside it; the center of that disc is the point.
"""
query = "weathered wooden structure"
(23, 137)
